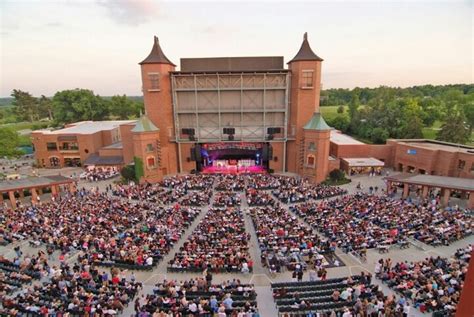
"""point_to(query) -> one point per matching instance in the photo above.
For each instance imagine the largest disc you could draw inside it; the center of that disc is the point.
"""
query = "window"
(461, 164)
(310, 161)
(307, 80)
(51, 146)
(149, 147)
(150, 162)
(312, 146)
(154, 81)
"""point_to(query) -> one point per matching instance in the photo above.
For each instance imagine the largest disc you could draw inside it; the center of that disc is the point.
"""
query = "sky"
(47, 46)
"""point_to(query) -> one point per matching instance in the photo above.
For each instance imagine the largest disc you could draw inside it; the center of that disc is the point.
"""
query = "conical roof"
(317, 123)
(144, 124)
(156, 55)
(305, 53)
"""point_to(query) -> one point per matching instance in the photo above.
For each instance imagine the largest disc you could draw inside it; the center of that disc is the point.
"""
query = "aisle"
(259, 276)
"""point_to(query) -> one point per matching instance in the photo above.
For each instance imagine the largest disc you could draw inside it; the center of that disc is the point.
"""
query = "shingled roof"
(317, 123)
(144, 124)
(305, 53)
(156, 55)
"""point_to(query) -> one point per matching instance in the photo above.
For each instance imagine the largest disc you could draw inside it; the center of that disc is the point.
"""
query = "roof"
(317, 123)
(305, 53)
(223, 64)
(95, 159)
(33, 182)
(156, 55)
(437, 145)
(458, 183)
(363, 162)
(343, 139)
(144, 125)
(88, 127)
(117, 145)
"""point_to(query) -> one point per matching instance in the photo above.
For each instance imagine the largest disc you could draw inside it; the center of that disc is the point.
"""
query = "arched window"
(310, 161)
(151, 162)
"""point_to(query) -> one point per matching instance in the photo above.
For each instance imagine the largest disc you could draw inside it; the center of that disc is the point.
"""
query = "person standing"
(300, 275)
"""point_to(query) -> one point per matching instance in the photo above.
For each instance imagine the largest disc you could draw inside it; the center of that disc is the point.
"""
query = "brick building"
(237, 114)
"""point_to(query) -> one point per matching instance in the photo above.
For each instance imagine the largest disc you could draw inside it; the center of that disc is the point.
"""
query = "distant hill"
(6, 102)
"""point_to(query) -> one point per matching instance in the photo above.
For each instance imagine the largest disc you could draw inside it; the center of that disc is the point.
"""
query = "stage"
(233, 170)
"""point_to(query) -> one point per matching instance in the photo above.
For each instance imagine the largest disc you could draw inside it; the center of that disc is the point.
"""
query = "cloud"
(130, 12)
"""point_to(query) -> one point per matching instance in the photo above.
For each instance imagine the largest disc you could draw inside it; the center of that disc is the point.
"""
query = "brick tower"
(316, 134)
(305, 70)
(147, 151)
(156, 86)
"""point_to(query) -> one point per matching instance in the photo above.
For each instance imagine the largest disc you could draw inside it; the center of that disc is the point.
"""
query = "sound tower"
(197, 154)
(193, 154)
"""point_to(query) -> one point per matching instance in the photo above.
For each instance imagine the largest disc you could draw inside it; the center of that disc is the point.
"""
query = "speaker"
(197, 149)
(229, 130)
(265, 152)
(270, 152)
(273, 130)
(231, 137)
(188, 159)
(275, 159)
(193, 154)
(188, 131)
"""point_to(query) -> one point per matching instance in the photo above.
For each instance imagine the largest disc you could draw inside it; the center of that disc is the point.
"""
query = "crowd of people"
(285, 241)
(293, 190)
(360, 221)
(99, 173)
(79, 290)
(142, 245)
(433, 284)
(200, 297)
(219, 243)
(346, 297)
(226, 199)
(259, 198)
(230, 182)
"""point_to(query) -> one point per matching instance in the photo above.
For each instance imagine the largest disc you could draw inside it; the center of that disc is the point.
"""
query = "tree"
(340, 109)
(45, 107)
(9, 142)
(78, 105)
(341, 123)
(122, 107)
(454, 130)
(25, 105)
(379, 135)
(354, 106)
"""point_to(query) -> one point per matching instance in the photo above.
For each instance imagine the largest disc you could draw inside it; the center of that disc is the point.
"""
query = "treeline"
(69, 106)
(341, 96)
(376, 114)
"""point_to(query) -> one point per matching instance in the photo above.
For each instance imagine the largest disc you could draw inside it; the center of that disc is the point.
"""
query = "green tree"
(123, 107)
(455, 129)
(340, 109)
(411, 120)
(45, 107)
(340, 122)
(9, 142)
(79, 105)
(379, 135)
(25, 105)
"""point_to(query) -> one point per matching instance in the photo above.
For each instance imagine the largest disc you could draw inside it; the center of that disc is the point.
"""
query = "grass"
(330, 112)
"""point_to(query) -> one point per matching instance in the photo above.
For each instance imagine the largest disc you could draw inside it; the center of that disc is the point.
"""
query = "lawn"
(330, 112)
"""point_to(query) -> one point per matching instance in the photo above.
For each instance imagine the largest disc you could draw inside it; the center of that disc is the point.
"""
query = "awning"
(363, 162)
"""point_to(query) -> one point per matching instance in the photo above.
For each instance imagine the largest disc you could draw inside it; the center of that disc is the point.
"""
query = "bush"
(337, 175)
(340, 109)
(128, 173)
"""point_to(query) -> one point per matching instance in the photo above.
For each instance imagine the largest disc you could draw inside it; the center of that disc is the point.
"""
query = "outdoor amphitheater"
(233, 245)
